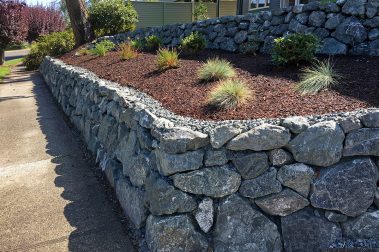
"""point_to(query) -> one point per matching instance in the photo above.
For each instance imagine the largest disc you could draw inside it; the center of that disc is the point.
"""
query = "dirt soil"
(180, 91)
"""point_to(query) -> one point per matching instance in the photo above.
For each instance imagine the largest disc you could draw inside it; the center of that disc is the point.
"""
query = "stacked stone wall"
(293, 184)
(344, 27)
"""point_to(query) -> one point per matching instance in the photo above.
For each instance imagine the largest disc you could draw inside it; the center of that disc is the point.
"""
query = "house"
(256, 5)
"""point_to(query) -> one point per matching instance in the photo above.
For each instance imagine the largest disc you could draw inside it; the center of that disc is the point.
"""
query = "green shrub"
(318, 77)
(294, 48)
(138, 44)
(127, 52)
(54, 44)
(167, 59)
(102, 48)
(110, 17)
(200, 12)
(153, 42)
(193, 43)
(216, 69)
(83, 51)
(230, 94)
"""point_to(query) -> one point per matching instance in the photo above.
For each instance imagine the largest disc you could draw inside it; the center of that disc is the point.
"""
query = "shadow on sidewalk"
(95, 216)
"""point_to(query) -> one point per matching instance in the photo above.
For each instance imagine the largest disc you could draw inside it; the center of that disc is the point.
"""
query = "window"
(287, 3)
(257, 4)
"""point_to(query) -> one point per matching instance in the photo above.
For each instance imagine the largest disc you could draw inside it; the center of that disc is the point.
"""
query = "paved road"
(9, 55)
(50, 198)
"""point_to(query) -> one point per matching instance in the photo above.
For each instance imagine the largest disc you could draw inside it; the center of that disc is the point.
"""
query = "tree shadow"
(91, 207)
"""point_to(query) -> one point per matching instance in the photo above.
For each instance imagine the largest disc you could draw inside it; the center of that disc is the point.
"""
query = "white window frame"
(285, 3)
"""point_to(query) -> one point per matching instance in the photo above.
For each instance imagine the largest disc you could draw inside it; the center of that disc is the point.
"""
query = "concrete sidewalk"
(50, 198)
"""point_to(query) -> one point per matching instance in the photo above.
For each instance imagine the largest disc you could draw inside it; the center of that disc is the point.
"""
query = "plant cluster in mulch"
(181, 91)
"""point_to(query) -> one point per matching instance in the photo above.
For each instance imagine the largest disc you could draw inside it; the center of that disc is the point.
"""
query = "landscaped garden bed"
(273, 87)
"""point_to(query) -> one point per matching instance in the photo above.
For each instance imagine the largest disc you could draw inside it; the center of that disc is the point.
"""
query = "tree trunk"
(81, 27)
(2, 57)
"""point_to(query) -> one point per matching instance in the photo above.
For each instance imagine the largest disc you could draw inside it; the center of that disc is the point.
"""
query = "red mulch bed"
(180, 91)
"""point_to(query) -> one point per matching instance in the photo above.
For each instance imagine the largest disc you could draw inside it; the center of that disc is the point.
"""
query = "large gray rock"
(333, 47)
(169, 164)
(204, 214)
(320, 144)
(372, 8)
(350, 31)
(374, 34)
(350, 123)
(222, 134)
(215, 182)
(296, 26)
(263, 137)
(335, 217)
(317, 18)
(173, 233)
(142, 165)
(131, 200)
(215, 157)
(162, 198)
(365, 226)
(362, 142)
(241, 228)
(371, 119)
(297, 177)
(296, 124)
(334, 20)
(348, 187)
(108, 132)
(240, 37)
(250, 165)
(304, 231)
(280, 157)
(354, 7)
(263, 185)
(284, 203)
(376, 198)
(180, 140)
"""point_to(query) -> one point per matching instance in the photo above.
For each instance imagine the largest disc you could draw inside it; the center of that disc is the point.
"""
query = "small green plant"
(216, 69)
(167, 59)
(319, 76)
(153, 42)
(138, 44)
(102, 48)
(83, 52)
(200, 12)
(193, 43)
(230, 94)
(127, 52)
(294, 48)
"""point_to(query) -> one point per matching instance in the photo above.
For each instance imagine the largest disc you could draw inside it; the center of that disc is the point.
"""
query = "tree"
(80, 24)
(13, 24)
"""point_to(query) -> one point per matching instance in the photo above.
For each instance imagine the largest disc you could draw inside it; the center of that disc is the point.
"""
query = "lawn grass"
(6, 68)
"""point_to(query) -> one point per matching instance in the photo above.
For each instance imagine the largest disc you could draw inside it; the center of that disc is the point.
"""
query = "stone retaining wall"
(298, 184)
(345, 27)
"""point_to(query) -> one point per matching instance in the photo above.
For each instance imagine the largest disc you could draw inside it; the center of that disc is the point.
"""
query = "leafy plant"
(127, 52)
(318, 77)
(167, 59)
(193, 43)
(294, 48)
(200, 12)
(83, 51)
(54, 44)
(137, 44)
(102, 48)
(153, 42)
(230, 94)
(216, 69)
(110, 17)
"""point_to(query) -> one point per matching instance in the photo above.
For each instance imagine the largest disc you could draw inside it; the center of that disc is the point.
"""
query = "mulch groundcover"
(180, 91)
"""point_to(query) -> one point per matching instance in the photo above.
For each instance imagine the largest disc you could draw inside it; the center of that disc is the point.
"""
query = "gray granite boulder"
(296, 124)
(362, 142)
(284, 203)
(263, 137)
(374, 34)
(297, 177)
(320, 144)
(180, 140)
(250, 165)
(162, 198)
(371, 119)
(280, 157)
(348, 187)
(240, 37)
(215, 157)
(333, 21)
(335, 217)
(141, 167)
(204, 214)
(239, 227)
(354, 7)
(173, 233)
(131, 200)
(217, 182)
(169, 164)
(350, 123)
(305, 231)
(333, 47)
(261, 186)
(317, 18)
(372, 8)
(365, 226)
(222, 134)
(351, 31)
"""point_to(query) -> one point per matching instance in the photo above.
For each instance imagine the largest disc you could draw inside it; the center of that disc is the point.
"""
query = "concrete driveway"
(50, 197)
(9, 55)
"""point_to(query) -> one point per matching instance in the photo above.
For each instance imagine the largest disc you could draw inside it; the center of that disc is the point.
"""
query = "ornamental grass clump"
(321, 75)
(167, 59)
(216, 69)
(230, 94)
(127, 52)
(102, 48)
